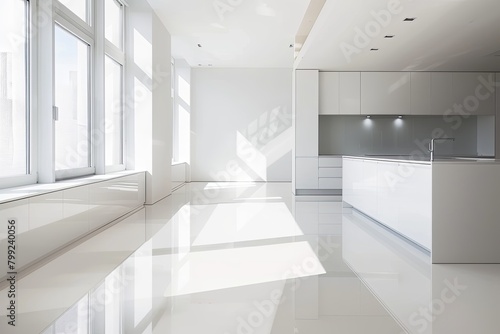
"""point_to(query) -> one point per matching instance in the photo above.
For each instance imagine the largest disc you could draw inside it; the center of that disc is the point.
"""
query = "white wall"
(148, 99)
(241, 124)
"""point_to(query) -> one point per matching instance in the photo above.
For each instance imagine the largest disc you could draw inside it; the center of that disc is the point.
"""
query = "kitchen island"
(450, 207)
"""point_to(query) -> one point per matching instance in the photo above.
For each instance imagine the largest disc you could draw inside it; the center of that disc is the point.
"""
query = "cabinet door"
(350, 93)
(306, 113)
(420, 96)
(306, 173)
(385, 93)
(474, 93)
(328, 93)
(441, 92)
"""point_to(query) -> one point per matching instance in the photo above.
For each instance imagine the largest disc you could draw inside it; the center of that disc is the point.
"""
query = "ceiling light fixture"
(409, 19)
(400, 116)
(368, 116)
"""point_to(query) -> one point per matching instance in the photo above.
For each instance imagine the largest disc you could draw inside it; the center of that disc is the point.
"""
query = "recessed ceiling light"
(373, 49)
(368, 116)
(410, 19)
(400, 116)
(199, 45)
(389, 36)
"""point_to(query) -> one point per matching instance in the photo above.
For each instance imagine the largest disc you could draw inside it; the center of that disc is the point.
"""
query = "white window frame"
(69, 21)
(31, 162)
(118, 55)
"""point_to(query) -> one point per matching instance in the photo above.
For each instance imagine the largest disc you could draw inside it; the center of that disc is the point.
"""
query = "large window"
(114, 22)
(14, 115)
(114, 64)
(114, 113)
(80, 8)
(72, 127)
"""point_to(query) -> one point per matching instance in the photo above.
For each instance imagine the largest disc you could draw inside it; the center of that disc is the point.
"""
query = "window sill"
(17, 193)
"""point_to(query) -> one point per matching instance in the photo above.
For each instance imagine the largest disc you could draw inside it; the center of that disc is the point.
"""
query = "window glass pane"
(113, 113)
(13, 109)
(113, 22)
(72, 140)
(79, 7)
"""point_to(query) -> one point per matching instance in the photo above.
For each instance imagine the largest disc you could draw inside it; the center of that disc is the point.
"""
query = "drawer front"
(329, 183)
(330, 172)
(330, 162)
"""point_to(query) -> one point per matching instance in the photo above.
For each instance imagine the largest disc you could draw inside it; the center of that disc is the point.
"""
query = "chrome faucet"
(431, 145)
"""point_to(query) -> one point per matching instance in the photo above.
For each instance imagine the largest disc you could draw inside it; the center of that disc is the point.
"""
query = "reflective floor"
(245, 258)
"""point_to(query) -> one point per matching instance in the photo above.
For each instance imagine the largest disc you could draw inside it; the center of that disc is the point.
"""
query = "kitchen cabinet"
(306, 173)
(330, 172)
(396, 194)
(420, 94)
(306, 113)
(471, 91)
(385, 93)
(350, 93)
(441, 92)
(329, 93)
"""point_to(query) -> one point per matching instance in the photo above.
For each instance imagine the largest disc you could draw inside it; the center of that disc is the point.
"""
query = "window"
(71, 76)
(114, 22)
(114, 83)
(113, 112)
(14, 109)
(79, 7)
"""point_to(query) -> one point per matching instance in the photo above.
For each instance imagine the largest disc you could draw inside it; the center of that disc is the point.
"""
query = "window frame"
(62, 22)
(30, 174)
(117, 54)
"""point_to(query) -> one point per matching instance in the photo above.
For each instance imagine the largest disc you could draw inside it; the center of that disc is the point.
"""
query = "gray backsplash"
(387, 135)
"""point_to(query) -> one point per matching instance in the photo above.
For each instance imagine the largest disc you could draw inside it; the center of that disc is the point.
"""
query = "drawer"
(330, 162)
(330, 172)
(330, 183)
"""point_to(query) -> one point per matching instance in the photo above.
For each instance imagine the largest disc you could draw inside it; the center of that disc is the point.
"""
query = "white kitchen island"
(450, 207)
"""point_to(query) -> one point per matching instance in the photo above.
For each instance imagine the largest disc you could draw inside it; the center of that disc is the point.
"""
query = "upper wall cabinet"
(350, 93)
(441, 92)
(306, 113)
(420, 96)
(385, 93)
(329, 93)
(473, 93)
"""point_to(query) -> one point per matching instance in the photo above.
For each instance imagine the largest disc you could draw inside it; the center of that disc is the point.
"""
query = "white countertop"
(410, 159)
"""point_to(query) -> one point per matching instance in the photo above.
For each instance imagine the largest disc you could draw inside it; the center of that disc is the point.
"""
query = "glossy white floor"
(251, 258)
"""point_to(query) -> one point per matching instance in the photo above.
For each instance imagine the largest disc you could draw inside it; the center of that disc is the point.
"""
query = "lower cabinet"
(396, 194)
(306, 173)
(330, 172)
(48, 222)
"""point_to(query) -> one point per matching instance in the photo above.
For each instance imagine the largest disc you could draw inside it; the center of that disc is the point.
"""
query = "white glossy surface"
(329, 93)
(396, 194)
(471, 85)
(306, 173)
(385, 93)
(330, 172)
(420, 96)
(266, 282)
(466, 227)
(350, 93)
(325, 161)
(441, 92)
(47, 222)
(306, 113)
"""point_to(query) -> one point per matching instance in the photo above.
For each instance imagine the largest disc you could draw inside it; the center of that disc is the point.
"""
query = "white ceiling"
(232, 33)
(447, 35)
